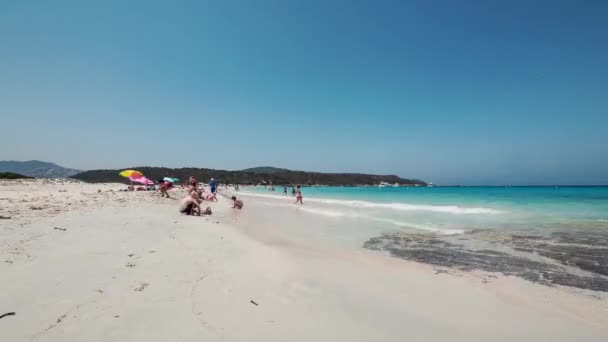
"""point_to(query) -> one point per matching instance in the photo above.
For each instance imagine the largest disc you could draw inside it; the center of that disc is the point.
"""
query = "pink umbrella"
(141, 180)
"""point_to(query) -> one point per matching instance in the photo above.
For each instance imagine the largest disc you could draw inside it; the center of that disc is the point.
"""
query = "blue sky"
(453, 92)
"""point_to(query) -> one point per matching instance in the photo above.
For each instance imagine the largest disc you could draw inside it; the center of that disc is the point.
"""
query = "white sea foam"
(402, 224)
(447, 209)
(354, 215)
(420, 226)
(329, 213)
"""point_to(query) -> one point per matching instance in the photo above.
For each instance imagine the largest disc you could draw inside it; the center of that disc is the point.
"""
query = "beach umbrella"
(131, 173)
(172, 180)
(141, 180)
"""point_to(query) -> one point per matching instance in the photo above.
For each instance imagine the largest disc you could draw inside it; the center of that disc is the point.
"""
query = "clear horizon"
(474, 93)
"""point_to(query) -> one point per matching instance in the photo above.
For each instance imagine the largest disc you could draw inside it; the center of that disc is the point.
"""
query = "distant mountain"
(264, 169)
(275, 176)
(11, 175)
(36, 168)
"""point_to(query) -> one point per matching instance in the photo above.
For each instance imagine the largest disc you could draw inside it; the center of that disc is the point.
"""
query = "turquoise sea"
(458, 209)
(547, 235)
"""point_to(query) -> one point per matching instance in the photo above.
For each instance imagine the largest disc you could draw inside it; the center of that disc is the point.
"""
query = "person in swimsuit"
(190, 204)
(285, 190)
(193, 186)
(237, 203)
(163, 187)
(299, 196)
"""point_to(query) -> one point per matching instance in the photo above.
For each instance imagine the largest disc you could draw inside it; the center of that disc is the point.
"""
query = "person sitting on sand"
(190, 204)
(237, 203)
(211, 196)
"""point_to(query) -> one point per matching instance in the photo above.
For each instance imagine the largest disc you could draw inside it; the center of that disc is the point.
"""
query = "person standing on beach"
(193, 185)
(293, 191)
(285, 190)
(212, 185)
(299, 196)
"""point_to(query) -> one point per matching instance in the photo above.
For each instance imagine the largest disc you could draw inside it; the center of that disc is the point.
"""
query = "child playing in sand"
(237, 203)
(299, 196)
(163, 187)
(211, 197)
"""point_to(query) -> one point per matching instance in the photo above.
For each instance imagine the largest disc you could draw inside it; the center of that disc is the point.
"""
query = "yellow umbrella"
(131, 173)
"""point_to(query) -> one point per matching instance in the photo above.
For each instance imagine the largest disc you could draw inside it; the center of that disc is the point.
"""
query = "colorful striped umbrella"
(131, 173)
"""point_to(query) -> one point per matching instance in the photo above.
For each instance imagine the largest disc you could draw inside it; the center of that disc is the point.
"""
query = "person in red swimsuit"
(299, 196)
(163, 187)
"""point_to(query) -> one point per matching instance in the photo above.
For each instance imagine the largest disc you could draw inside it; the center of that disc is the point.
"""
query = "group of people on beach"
(191, 203)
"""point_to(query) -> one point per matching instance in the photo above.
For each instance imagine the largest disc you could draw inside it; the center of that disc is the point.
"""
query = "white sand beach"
(86, 262)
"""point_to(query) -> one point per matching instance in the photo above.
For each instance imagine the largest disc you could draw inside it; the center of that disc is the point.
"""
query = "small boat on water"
(383, 184)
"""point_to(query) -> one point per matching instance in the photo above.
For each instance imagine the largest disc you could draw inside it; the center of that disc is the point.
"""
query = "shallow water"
(551, 235)
(460, 209)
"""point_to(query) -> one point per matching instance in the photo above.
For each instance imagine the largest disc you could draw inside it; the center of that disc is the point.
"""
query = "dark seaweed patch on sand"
(576, 259)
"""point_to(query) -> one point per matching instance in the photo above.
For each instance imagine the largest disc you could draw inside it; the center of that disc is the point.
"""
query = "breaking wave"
(447, 209)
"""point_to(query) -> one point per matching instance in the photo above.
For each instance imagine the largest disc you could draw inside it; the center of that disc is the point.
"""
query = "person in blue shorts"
(212, 185)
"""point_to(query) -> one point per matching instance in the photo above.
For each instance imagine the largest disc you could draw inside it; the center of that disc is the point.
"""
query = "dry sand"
(83, 262)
